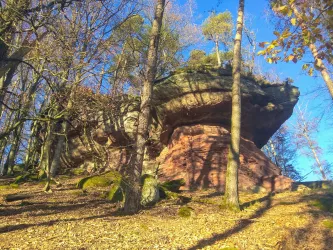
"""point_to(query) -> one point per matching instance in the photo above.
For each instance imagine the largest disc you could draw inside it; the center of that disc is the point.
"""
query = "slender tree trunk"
(274, 153)
(318, 62)
(47, 154)
(231, 190)
(58, 149)
(133, 188)
(218, 53)
(4, 141)
(315, 156)
(6, 81)
(31, 147)
(305, 133)
(10, 162)
(3, 144)
(322, 68)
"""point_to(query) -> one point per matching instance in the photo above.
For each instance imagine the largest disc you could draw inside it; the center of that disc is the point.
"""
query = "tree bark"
(133, 187)
(231, 190)
(47, 154)
(58, 149)
(306, 134)
(6, 81)
(322, 68)
(31, 149)
(315, 155)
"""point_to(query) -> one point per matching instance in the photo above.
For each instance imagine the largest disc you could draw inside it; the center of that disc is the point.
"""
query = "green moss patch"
(116, 193)
(95, 181)
(328, 224)
(18, 168)
(78, 171)
(150, 190)
(5, 187)
(185, 211)
(103, 180)
(324, 204)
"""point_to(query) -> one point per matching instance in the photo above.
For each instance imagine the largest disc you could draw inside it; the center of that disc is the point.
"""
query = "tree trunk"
(320, 66)
(6, 81)
(231, 189)
(58, 149)
(133, 187)
(218, 53)
(322, 172)
(10, 162)
(47, 154)
(315, 156)
(31, 149)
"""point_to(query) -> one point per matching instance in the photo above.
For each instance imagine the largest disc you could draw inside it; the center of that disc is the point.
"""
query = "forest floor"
(68, 218)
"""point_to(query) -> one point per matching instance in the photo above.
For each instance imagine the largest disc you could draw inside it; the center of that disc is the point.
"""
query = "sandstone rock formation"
(190, 129)
(194, 109)
(198, 154)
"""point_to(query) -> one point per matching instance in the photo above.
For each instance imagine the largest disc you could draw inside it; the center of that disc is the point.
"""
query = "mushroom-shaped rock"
(193, 110)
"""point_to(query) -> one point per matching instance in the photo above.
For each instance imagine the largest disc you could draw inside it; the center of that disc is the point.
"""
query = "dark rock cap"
(203, 96)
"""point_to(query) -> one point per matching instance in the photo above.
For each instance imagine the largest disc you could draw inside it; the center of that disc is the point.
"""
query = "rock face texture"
(190, 135)
(198, 154)
(101, 132)
(204, 97)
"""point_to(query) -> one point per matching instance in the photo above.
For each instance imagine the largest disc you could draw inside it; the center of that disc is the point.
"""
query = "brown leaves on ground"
(71, 219)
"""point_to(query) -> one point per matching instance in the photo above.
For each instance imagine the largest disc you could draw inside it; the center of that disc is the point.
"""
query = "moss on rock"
(96, 181)
(150, 190)
(78, 171)
(102, 180)
(116, 192)
(21, 178)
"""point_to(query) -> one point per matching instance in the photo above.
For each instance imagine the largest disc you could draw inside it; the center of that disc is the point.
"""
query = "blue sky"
(316, 101)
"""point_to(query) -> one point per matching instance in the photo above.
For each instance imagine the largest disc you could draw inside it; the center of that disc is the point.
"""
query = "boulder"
(150, 191)
(116, 193)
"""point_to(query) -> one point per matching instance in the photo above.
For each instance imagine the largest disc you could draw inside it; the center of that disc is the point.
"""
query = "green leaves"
(284, 10)
(305, 66)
